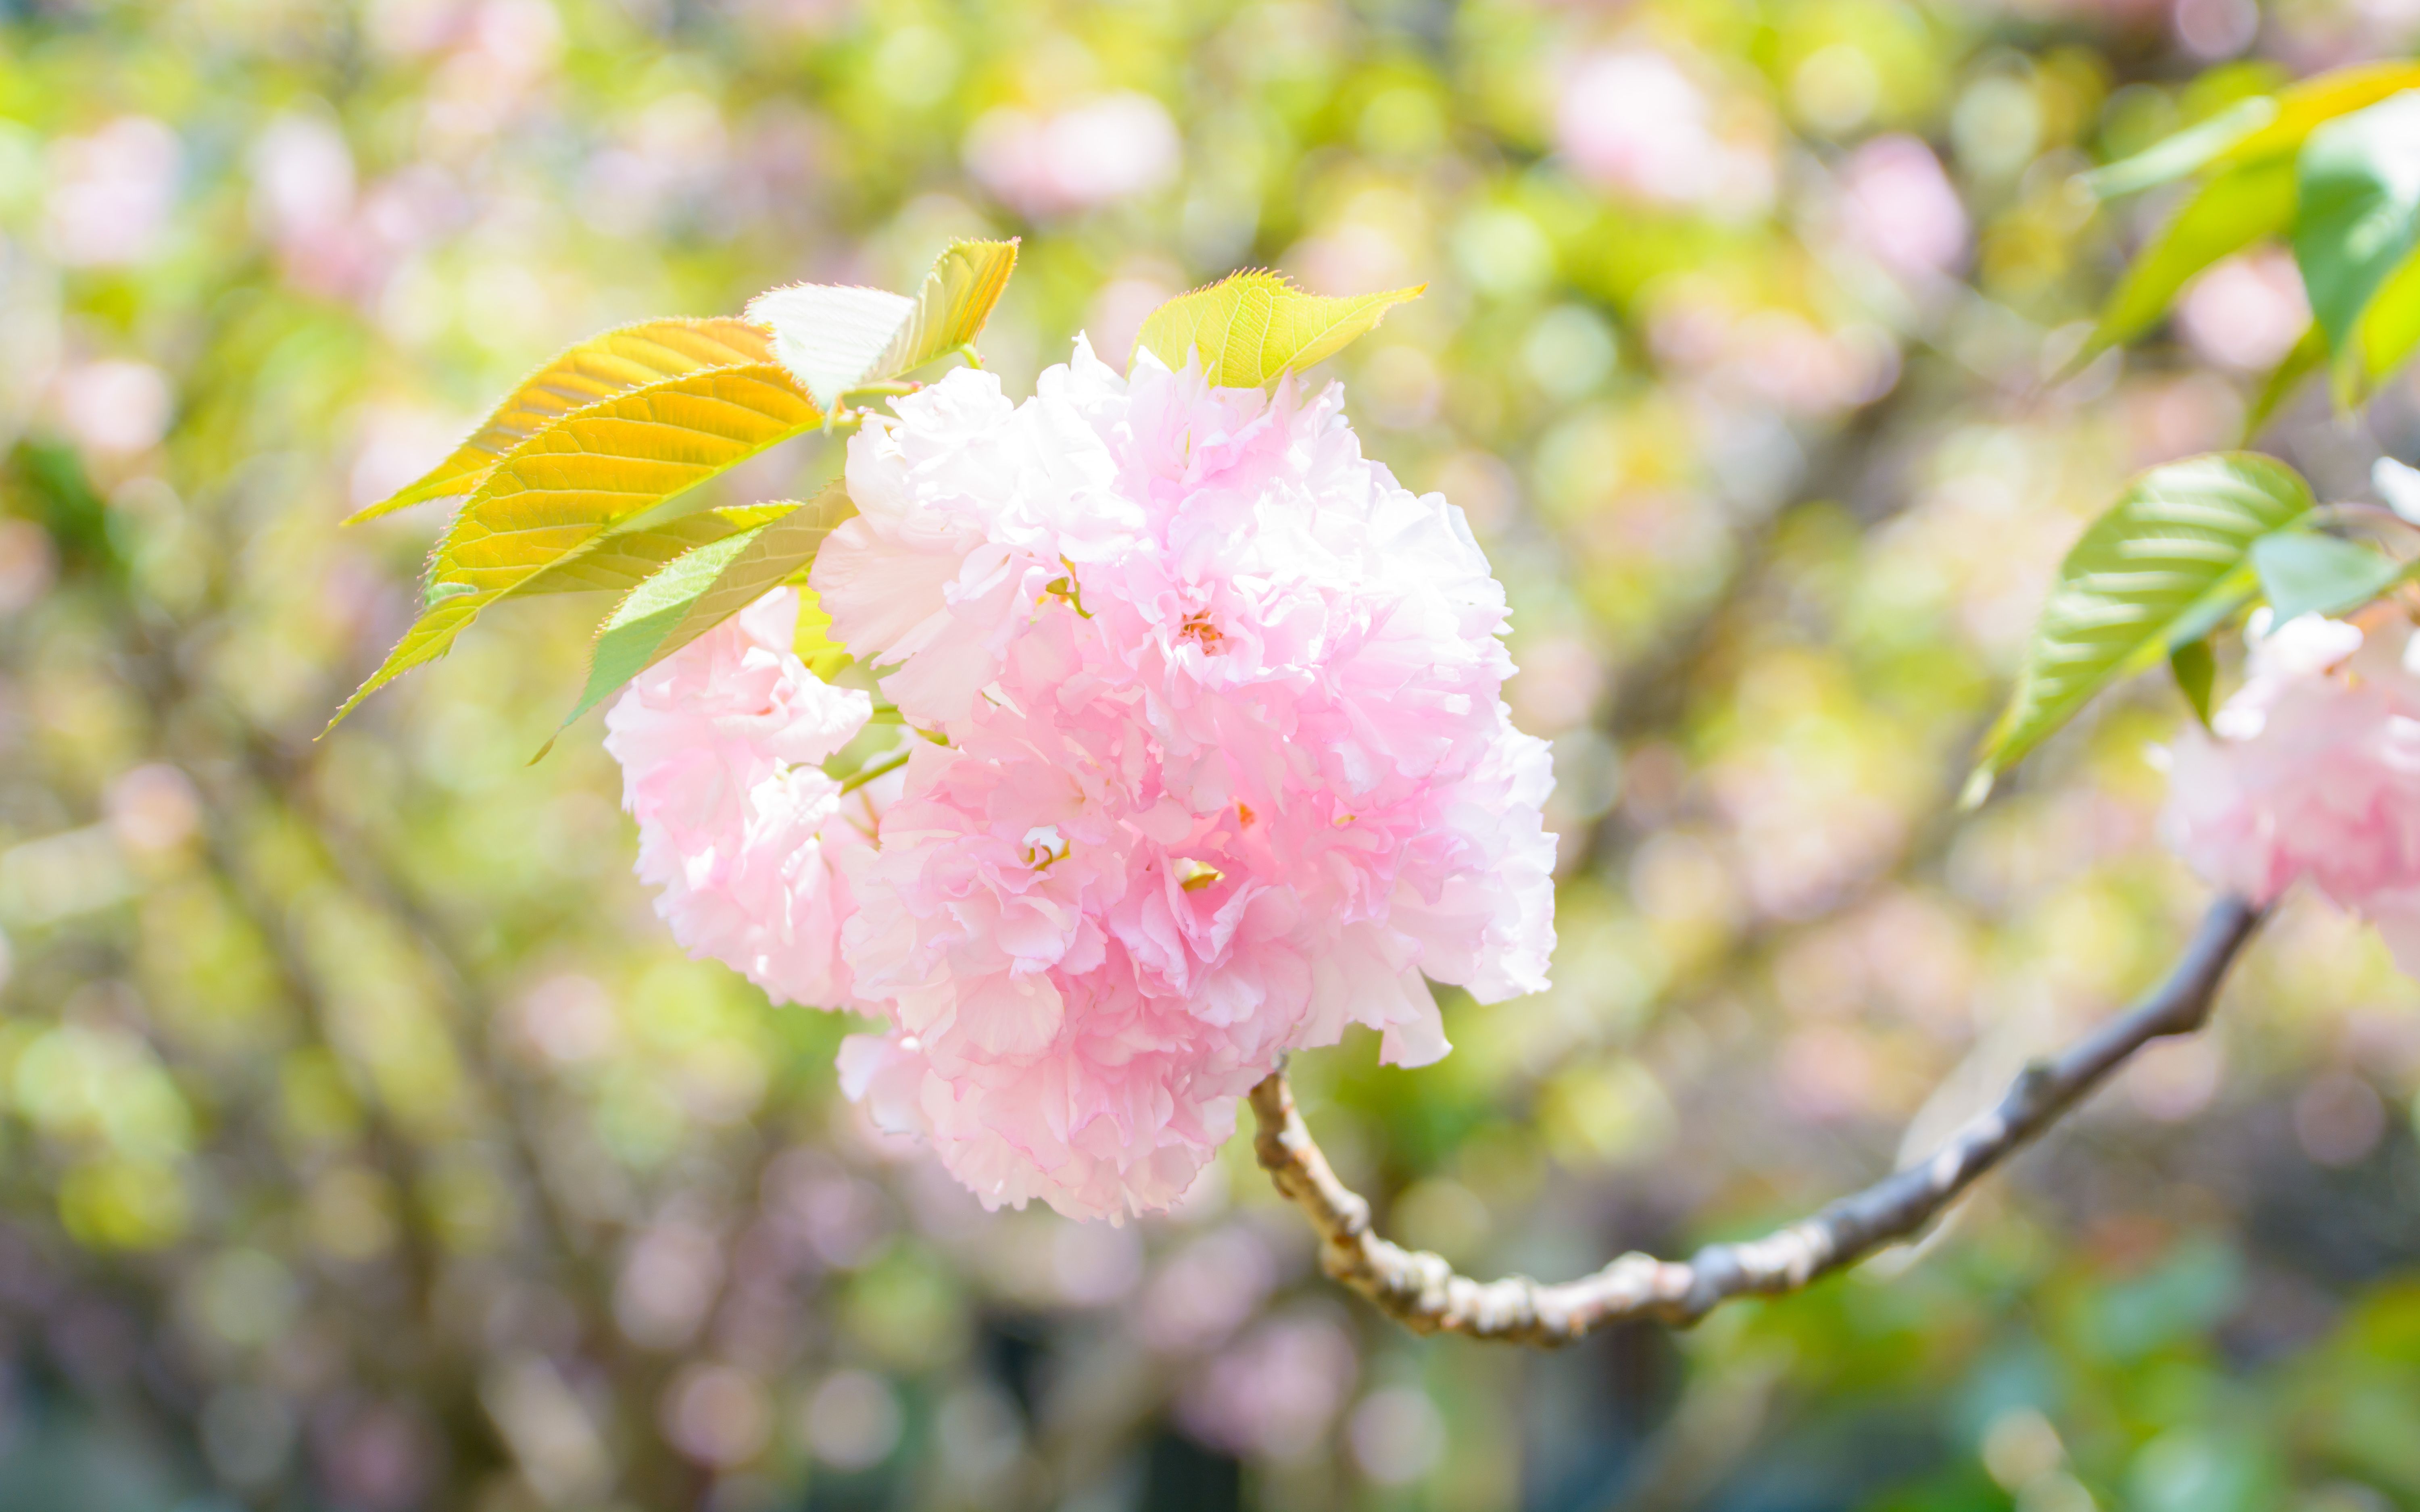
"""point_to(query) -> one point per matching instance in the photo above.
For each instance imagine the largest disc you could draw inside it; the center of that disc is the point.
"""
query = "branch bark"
(1421, 1291)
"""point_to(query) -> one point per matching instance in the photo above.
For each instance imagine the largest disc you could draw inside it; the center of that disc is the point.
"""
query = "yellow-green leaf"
(2230, 212)
(698, 591)
(2197, 673)
(2167, 562)
(2259, 130)
(625, 557)
(2390, 328)
(957, 298)
(559, 491)
(2299, 363)
(833, 339)
(601, 367)
(2302, 108)
(1250, 327)
(2188, 152)
(812, 638)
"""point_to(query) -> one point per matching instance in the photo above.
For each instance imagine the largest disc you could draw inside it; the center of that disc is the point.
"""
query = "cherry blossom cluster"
(2312, 770)
(1205, 759)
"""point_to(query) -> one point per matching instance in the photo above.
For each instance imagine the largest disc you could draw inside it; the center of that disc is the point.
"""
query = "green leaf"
(2164, 566)
(833, 339)
(1250, 327)
(2359, 215)
(2188, 152)
(2196, 674)
(602, 367)
(2305, 574)
(2389, 330)
(2298, 363)
(626, 556)
(2230, 213)
(2302, 108)
(694, 593)
(957, 298)
(559, 492)
(2259, 130)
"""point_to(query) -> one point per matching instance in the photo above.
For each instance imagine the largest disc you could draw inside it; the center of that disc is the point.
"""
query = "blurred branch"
(1425, 1294)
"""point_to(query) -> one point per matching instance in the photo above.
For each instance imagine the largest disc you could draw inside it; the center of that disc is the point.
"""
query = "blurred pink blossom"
(852, 1422)
(1809, 830)
(2339, 1119)
(111, 193)
(2312, 770)
(668, 1283)
(1901, 208)
(1561, 678)
(716, 1414)
(1796, 366)
(115, 405)
(1397, 1435)
(334, 238)
(2247, 312)
(820, 1213)
(302, 177)
(2215, 29)
(28, 564)
(1772, 357)
(2173, 1080)
(395, 445)
(1353, 257)
(153, 807)
(1630, 119)
(302, 195)
(501, 52)
(673, 153)
(1826, 1072)
(413, 28)
(1205, 1290)
(2170, 416)
(1118, 311)
(379, 1457)
(567, 1019)
(1106, 149)
(1274, 1395)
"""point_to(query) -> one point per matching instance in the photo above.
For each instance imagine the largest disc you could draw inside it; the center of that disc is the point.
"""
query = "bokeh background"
(365, 1144)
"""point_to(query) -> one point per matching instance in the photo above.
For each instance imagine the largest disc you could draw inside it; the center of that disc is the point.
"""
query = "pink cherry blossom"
(738, 825)
(1227, 769)
(1216, 762)
(2312, 770)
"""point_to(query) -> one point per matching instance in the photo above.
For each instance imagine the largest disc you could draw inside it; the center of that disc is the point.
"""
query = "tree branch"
(1421, 1291)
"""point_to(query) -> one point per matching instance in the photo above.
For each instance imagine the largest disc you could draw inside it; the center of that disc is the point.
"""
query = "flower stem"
(882, 767)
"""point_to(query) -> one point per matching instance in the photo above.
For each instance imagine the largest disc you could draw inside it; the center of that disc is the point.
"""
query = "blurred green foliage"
(367, 1145)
